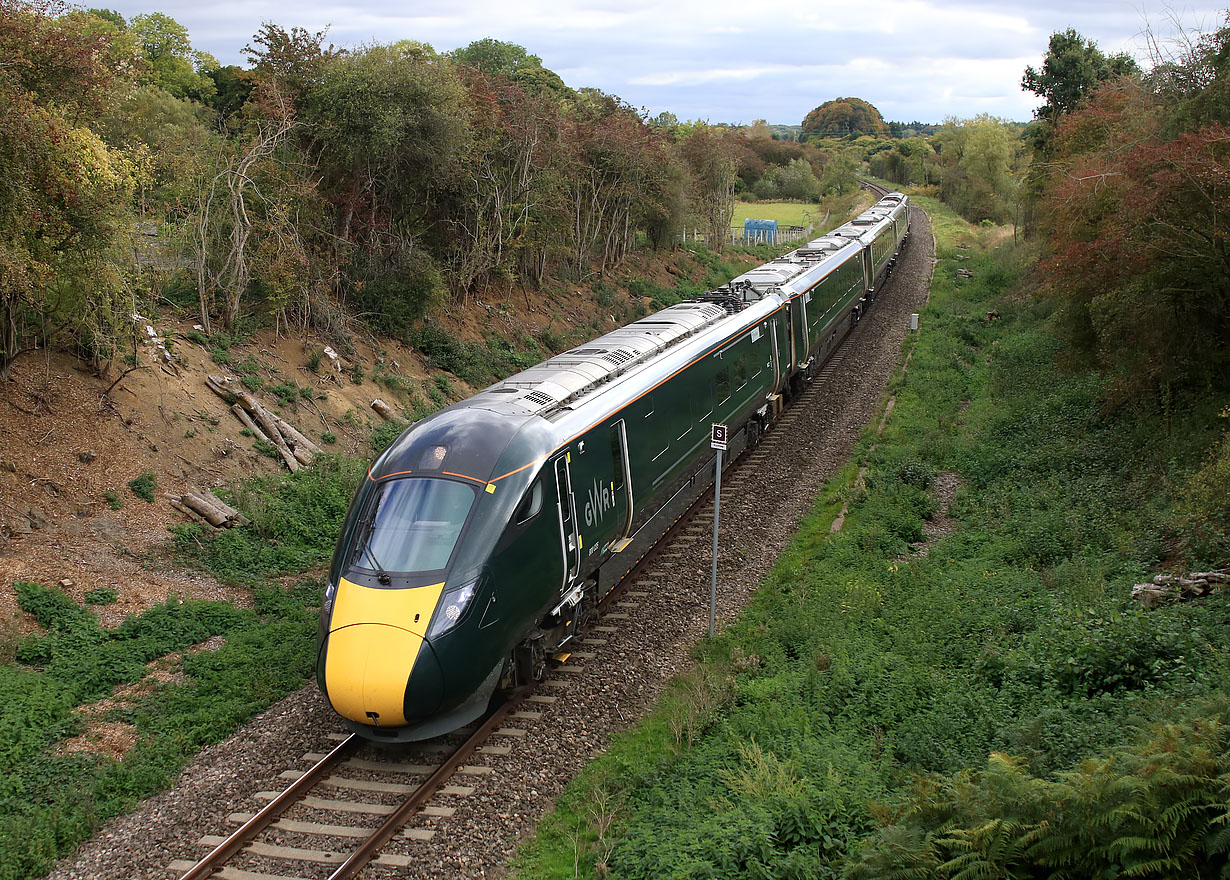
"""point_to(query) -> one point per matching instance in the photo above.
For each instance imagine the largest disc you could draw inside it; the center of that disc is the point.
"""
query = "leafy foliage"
(1154, 808)
(843, 116)
(1137, 249)
(144, 485)
(1072, 69)
(295, 522)
(52, 798)
(64, 194)
(867, 686)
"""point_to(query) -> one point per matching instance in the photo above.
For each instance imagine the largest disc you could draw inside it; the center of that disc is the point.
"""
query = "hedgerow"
(881, 701)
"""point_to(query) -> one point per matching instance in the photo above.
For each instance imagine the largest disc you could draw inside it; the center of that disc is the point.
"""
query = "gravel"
(763, 500)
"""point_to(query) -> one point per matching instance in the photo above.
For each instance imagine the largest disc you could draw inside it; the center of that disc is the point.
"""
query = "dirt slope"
(68, 449)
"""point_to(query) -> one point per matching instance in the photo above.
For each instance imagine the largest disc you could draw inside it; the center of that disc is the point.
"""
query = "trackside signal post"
(717, 440)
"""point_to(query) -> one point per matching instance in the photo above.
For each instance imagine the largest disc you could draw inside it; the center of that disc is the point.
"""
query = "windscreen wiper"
(382, 575)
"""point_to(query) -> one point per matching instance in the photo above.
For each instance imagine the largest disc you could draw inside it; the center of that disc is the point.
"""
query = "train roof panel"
(556, 382)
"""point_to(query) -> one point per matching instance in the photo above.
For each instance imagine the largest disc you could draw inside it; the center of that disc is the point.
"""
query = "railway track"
(379, 796)
(314, 818)
(395, 798)
(442, 759)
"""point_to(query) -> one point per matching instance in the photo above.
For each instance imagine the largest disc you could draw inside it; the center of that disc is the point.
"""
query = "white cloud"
(726, 60)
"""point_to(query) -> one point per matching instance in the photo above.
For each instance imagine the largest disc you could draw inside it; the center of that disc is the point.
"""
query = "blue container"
(760, 230)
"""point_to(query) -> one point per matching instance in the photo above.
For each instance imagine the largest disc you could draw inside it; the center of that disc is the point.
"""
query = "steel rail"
(414, 803)
(243, 835)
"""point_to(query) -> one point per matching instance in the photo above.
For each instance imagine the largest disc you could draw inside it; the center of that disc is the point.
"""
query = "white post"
(717, 508)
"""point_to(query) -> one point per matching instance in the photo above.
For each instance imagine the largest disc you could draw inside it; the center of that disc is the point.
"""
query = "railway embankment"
(960, 678)
(132, 638)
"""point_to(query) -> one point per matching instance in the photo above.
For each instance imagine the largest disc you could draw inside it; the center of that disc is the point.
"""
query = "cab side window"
(530, 505)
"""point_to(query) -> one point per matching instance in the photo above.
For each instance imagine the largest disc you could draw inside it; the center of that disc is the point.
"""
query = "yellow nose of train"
(379, 667)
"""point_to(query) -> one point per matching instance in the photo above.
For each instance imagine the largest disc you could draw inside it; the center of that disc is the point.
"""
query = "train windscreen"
(413, 525)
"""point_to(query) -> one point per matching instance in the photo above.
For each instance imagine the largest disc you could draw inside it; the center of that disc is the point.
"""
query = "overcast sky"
(728, 61)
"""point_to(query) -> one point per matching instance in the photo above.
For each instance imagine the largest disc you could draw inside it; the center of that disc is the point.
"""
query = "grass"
(871, 700)
(785, 213)
(50, 798)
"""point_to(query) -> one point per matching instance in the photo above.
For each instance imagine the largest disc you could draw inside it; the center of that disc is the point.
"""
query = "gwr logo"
(601, 499)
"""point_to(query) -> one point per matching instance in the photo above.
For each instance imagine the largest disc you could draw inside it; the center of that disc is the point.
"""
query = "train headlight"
(326, 601)
(452, 608)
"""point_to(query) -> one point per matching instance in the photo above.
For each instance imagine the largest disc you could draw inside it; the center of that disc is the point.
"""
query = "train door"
(777, 361)
(790, 336)
(804, 335)
(625, 505)
(569, 539)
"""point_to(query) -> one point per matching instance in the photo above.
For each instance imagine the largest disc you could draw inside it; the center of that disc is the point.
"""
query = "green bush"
(295, 522)
(52, 799)
(144, 486)
(384, 435)
(1204, 515)
(101, 596)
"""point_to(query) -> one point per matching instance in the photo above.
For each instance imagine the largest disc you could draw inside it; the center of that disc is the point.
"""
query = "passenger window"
(531, 505)
(740, 373)
(723, 384)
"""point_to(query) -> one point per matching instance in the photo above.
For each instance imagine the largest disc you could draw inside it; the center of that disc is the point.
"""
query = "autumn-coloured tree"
(844, 116)
(64, 195)
(1139, 249)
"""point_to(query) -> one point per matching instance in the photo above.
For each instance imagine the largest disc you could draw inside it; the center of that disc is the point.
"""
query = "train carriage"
(487, 532)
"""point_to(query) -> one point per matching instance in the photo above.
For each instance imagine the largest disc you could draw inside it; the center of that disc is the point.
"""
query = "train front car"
(412, 638)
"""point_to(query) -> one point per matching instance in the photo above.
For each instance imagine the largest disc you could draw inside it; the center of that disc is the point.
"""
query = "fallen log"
(242, 415)
(232, 515)
(293, 448)
(383, 410)
(190, 513)
(216, 518)
(294, 437)
(206, 508)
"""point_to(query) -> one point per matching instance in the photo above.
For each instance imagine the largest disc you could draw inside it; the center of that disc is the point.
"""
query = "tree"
(840, 175)
(289, 61)
(979, 167)
(244, 228)
(232, 87)
(712, 158)
(1073, 66)
(500, 191)
(844, 116)
(64, 194)
(1138, 249)
(496, 57)
(173, 64)
(798, 181)
(390, 125)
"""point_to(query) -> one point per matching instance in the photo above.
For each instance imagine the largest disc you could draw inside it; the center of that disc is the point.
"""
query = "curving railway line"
(398, 795)
(454, 805)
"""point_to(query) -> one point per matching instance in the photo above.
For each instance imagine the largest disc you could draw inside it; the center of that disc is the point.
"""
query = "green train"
(487, 533)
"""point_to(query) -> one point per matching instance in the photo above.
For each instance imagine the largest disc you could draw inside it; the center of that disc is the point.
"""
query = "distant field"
(785, 213)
